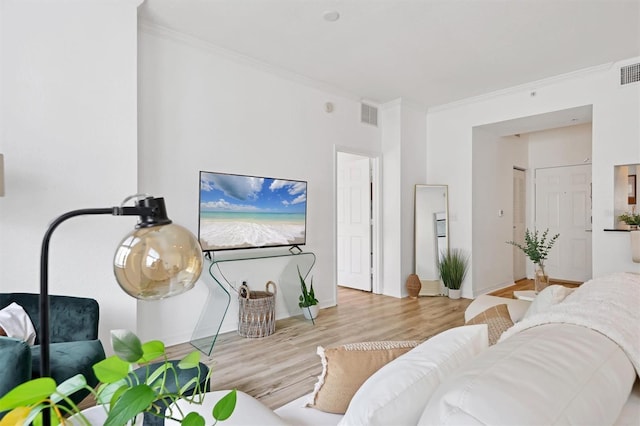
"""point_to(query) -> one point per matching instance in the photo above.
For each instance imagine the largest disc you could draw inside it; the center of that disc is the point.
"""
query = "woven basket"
(257, 312)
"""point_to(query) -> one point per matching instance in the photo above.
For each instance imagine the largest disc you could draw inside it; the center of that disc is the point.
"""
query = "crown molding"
(405, 102)
(534, 85)
(239, 58)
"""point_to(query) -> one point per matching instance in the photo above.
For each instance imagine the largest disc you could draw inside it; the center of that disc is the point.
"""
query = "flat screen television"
(244, 212)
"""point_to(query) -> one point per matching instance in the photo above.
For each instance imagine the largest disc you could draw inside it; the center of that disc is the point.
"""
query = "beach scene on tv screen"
(244, 211)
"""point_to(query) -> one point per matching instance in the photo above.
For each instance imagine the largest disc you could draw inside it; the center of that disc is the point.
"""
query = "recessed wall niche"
(625, 192)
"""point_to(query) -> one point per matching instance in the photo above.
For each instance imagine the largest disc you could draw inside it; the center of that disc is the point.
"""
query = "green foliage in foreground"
(122, 394)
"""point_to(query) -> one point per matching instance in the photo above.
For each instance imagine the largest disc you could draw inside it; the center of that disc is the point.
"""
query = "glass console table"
(222, 289)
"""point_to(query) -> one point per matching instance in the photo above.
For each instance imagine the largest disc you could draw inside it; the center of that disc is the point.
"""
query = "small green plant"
(453, 267)
(124, 396)
(630, 218)
(307, 298)
(536, 246)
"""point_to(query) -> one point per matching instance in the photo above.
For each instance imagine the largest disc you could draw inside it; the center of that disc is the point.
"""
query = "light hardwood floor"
(527, 284)
(284, 366)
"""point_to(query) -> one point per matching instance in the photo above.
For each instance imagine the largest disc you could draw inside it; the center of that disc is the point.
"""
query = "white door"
(519, 223)
(354, 221)
(563, 204)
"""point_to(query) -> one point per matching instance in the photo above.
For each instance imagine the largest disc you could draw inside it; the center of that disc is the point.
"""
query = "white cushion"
(297, 413)
(249, 411)
(630, 413)
(399, 391)
(17, 324)
(546, 375)
(551, 295)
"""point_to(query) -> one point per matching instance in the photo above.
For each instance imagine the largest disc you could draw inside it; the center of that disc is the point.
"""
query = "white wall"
(403, 136)
(68, 116)
(492, 190)
(563, 146)
(414, 172)
(615, 141)
(201, 110)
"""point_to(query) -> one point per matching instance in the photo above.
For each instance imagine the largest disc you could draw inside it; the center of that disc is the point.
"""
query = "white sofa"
(545, 372)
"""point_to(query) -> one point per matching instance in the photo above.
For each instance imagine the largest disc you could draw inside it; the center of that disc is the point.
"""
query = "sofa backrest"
(71, 318)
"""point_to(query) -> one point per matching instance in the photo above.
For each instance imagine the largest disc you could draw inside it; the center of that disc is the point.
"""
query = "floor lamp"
(158, 259)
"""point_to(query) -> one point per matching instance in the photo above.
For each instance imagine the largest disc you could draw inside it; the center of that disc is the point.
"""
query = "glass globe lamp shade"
(158, 261)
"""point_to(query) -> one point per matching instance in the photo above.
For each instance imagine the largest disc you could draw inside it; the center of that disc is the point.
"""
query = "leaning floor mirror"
(431, 235)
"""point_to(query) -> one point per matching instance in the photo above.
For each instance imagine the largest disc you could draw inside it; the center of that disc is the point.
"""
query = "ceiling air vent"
(369, 114)
(630, 74)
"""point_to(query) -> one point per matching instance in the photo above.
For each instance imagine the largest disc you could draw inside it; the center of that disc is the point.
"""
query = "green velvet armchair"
(74, 342)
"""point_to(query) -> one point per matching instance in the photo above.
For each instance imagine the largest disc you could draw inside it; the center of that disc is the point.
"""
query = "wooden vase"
(413, 286)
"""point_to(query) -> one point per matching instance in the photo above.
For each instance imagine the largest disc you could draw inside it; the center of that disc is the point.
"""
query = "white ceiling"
(430, 51)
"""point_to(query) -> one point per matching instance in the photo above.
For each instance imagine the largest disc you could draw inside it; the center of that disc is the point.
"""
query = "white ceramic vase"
(311, 312)
(454, 293)
(635, 246)
(96, 415)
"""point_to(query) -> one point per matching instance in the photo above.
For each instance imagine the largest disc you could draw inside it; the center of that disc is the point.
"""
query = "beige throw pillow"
(345, 368)
(497, 319)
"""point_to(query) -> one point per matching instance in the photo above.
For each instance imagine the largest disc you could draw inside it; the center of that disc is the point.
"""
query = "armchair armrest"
(15, 359)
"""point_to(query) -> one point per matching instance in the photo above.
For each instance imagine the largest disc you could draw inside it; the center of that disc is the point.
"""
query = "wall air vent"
(369, 114)
(630, 74)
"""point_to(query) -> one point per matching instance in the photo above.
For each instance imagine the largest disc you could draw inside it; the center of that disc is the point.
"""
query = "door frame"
(520, 253)
(376, 210)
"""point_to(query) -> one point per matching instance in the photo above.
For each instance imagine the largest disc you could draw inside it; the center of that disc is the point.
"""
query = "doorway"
(519, 223)
(356, 221)
(550, 140)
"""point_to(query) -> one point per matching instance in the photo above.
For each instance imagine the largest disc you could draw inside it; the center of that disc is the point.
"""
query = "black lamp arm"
(45, 368)
(152, 212)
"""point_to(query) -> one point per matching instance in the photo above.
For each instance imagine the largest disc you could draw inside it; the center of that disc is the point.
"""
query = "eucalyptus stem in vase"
(537, 247)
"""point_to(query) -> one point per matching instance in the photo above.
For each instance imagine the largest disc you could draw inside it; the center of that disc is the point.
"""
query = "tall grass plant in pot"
(452, 267)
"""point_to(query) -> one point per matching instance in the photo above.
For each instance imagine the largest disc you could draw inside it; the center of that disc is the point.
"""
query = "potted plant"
(633, 220)
(452, 267)
(537, 248)
(307, 301)
(122, 398)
